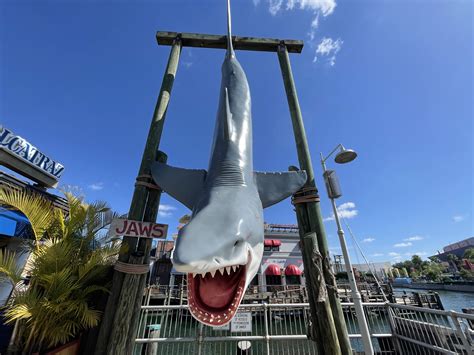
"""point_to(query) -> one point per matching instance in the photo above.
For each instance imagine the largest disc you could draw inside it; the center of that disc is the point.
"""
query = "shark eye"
(236, 243)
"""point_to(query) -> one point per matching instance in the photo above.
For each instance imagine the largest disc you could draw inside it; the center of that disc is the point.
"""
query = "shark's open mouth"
(215, 297)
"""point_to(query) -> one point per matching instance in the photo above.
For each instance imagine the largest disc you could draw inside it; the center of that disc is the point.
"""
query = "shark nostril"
(236, 243)
(217, 260)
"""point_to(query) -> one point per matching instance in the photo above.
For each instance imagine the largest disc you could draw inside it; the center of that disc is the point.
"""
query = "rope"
(374, 271)
(144, 176)
(144, 180)
(305, 195)
(134, 269)
(148, 184)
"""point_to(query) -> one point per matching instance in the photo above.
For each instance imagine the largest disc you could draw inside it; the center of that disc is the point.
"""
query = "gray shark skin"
(221, 248)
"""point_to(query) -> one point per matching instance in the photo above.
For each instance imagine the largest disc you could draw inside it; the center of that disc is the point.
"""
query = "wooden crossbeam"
(217, 41)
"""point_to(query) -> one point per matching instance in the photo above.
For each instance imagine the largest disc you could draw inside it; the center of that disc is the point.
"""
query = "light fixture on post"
(334, 191)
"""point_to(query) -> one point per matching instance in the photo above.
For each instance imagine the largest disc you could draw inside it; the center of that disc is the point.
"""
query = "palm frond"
(9, 268)
(39, 211)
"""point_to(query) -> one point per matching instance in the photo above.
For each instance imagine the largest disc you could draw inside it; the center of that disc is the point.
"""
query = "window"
(293, 280)
(273, 280)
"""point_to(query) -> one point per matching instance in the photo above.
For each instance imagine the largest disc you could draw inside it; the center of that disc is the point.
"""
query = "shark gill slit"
(229, 175)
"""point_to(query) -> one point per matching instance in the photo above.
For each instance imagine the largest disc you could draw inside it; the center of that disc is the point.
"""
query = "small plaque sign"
(139, 229)
(242, 322)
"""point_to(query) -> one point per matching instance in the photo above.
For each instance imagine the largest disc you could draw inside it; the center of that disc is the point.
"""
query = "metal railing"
(281, 329)
(275, 329)
(429, 331)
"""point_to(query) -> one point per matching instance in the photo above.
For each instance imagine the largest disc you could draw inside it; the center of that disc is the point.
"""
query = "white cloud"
(403, 245)
(346, 210)
(324, 7)
(413, 239)
(318, 8)
(394, 255)
(377, 254)
(186, 64)
(74, 189)
(96, 186)
(368, 240)
(328, 48)
(166, 210)
(457, 219)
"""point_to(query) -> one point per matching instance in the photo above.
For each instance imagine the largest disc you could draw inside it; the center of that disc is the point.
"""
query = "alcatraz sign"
(21, 156)
(137, 229)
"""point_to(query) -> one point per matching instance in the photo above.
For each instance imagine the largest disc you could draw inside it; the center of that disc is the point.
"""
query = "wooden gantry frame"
(326, 325)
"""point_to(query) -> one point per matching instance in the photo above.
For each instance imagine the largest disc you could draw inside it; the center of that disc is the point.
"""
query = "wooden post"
(327, 325)
(116, 326)
(144, 247)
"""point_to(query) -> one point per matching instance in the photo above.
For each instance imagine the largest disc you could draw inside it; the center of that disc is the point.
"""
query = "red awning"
(273, 269)
(271, 242)
(292, 270)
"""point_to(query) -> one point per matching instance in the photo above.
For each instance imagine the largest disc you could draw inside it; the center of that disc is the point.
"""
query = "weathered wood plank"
(218, 41)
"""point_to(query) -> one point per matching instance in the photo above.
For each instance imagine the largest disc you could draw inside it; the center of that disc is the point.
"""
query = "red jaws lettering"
(157, 232)
(133, 226)
(121, 232)
(145, 229)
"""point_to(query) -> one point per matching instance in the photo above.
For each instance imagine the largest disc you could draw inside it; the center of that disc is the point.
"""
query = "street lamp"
(334, 191)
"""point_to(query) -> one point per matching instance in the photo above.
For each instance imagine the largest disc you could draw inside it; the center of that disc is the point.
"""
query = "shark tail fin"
(275, 187)
(230, 48)
(184, 185)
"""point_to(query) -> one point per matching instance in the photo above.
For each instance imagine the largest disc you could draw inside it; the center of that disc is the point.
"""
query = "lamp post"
(334, 192)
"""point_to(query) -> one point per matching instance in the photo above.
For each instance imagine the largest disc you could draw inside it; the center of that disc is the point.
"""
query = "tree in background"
(417, 262)
(68, 269)
(469, 254)
(433, 271)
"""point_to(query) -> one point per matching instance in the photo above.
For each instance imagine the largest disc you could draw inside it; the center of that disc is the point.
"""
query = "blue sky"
(391, 79)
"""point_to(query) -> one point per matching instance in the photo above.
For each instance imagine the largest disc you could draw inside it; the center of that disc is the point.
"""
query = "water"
(452, 300)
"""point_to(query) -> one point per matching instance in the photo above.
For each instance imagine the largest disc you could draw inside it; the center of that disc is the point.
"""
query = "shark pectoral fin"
(274, 187)
(184, 185)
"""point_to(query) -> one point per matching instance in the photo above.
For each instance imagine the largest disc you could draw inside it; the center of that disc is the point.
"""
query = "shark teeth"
(222, 271)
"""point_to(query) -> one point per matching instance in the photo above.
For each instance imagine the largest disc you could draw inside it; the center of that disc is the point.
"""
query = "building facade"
(456, 249)
(282, 262)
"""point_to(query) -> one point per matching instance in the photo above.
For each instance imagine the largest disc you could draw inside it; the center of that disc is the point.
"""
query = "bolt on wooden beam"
(220, 41)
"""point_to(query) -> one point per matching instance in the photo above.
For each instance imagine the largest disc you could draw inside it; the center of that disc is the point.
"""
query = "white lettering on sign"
(140, 229)
(242, 322)
(20, 148)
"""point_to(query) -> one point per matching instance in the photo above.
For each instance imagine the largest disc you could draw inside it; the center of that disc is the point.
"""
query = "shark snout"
(208, 258)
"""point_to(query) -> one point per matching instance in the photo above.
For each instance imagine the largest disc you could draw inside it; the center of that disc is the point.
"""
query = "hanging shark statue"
(221, 247)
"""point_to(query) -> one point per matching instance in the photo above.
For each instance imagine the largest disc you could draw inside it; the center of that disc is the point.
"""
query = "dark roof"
(17, 184)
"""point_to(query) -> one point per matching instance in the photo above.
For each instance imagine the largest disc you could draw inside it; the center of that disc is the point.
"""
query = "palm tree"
(68, 270)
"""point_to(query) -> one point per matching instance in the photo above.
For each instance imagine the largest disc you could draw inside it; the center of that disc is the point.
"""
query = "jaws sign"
(137, 229)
